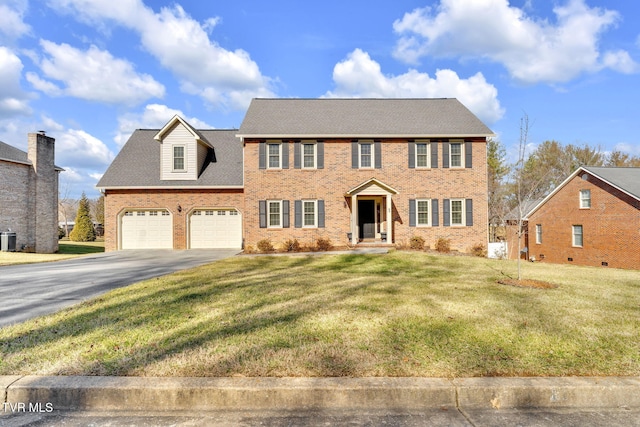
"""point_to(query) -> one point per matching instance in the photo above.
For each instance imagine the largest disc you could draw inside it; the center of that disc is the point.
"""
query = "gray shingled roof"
(626, 179)
(13, 154)
(137, 165)
(360, 118)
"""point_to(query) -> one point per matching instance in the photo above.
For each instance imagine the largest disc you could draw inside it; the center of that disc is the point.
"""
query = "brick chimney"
(41, 152)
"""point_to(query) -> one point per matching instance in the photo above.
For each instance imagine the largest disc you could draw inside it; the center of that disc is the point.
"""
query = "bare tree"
(67, 207)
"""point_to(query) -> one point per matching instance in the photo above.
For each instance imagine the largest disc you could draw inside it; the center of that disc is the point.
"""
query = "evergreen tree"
(83, 230)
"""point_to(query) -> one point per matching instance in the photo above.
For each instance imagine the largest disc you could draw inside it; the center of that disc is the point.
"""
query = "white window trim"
(463, 219)
(279, 144)
(173, 158)
(315, 155)
(428, 144)
(582, 204)
(373, 155)
(573, 236)
(538, 234)
(462, 154)
(315, 214)
(429, 214)
(269, 203)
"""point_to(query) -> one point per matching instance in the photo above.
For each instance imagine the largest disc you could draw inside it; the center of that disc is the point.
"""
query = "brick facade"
(29, 197)
(117, 201)
(611, 226)
(338, 177)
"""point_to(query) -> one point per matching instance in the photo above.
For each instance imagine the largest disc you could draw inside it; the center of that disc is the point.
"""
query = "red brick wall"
(331, 183)
(118, 200)
(611, 227)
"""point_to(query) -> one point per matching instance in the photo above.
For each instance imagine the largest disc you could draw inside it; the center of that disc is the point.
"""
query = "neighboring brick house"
(350, 170)
(29, 194)
(592, 218)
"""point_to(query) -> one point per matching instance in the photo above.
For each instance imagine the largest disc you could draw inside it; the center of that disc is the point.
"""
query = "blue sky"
(89, 72)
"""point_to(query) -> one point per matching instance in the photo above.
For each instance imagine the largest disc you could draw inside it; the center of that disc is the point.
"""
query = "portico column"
(389, 220)
(354, 219)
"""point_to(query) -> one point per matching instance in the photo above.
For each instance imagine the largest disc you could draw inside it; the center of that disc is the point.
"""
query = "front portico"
(371, 212)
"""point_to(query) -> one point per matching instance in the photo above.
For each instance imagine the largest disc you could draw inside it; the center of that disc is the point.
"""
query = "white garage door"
(150, 229)
(216, 228)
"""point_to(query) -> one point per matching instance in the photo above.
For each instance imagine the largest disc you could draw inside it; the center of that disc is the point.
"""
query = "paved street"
(372, 417)
(31, 290)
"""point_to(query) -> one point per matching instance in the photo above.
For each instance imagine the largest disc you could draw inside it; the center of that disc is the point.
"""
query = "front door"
(367, 219)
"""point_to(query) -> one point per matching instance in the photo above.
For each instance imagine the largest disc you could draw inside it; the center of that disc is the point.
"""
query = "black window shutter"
(262, 155)
(354, 155)
(297, 164)
(285, 214)
(468, 205)
(412, 155)
(297, 207)
(445, 213)
(320, 154)
(434, 154)
(262, 208)
(320, 213)
(285, 155)
(468, 155)
(412, 212)
(377, 146)
(445, 154)
(434, 213)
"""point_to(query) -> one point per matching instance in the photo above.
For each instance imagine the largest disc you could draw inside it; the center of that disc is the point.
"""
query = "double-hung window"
(274, 155)
(178, 158)
(577, 235)
(309, 213)
(422, 155)
(274, 214)
(538, 233)
(423, 212)
(457, 212)
(366, 155)
(309, 156)
(456, 154)
(585, 199)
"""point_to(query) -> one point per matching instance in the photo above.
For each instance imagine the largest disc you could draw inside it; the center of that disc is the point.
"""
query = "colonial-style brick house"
(592, 218)
(350, 170)
(29, 194)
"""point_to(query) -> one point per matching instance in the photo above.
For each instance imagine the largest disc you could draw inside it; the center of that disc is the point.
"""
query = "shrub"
(417, 243)
(479, 250)
(323, 244)
(443, 245)
(292, 245)
(265, 246)
(249, 249)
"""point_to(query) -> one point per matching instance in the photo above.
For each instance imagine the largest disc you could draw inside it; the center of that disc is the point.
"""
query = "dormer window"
(178, 158)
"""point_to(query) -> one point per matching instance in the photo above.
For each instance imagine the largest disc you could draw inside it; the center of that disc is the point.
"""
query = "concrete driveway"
(31, 290)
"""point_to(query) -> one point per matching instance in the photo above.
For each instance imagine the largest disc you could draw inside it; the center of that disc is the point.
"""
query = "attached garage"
(215, 228)
(146, 229)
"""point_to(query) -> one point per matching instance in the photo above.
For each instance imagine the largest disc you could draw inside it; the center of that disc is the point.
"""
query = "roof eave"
(364, 136)
(168, 187)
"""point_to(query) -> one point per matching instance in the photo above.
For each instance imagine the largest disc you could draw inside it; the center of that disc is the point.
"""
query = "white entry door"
(215, 228)
(147, 229)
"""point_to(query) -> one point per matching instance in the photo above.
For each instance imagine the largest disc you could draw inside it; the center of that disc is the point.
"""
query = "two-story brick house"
(592, 218)
(350, 170)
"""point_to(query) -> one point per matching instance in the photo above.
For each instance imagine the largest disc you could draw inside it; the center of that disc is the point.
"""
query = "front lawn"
(67, 249)
(401, 314)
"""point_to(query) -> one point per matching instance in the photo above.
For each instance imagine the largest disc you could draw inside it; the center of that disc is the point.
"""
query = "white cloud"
(181, 44)
(532, 50)
(360, 76)
(13, 101)
(12, 25)
(92, 74)
(154, 116)
(626, 147)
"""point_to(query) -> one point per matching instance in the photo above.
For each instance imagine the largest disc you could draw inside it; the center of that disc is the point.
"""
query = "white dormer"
(183, 151)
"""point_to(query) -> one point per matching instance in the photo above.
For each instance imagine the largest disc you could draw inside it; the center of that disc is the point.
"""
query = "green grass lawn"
(67, 249)
(401, 314)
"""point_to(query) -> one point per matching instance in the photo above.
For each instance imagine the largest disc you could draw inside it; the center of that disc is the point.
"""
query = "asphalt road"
(31, 290)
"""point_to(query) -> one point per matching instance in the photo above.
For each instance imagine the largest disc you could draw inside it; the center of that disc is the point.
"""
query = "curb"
(174, 394)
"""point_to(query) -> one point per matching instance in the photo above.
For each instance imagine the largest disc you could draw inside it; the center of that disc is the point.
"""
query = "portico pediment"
(372, 186)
